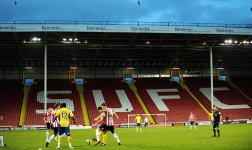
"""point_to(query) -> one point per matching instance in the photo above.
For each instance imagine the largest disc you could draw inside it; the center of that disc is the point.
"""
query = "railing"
(132, 23)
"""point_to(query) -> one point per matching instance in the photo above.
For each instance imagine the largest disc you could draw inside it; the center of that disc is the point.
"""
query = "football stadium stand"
(163, 96)
(232, 104)
(160, 95)
(103, 53)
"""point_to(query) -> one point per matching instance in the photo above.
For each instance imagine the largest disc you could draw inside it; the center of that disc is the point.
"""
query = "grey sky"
(204, 11)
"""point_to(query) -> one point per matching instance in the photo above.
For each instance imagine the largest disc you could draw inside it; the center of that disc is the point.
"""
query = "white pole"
(45, 78)
(211, 75)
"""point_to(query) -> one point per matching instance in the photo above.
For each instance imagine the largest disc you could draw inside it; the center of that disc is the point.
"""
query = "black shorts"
(111, 129)
(216, 125)
(103, 127)
(49, 126)
(55, 130)
(192, 122)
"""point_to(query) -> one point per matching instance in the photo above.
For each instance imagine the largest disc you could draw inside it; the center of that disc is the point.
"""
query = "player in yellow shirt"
(138, 120)
(64, 115)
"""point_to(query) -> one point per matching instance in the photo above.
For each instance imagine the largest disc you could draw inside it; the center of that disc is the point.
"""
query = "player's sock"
(59, 140)
(97, 133)
(136, 129)
(214, 132)
(1, 141)
(101, 135)
(69, 141)
(116, 137)
(47, 136)
(51, 138)
(104, 138)
(218, 132)
(194, 126)
(140, 129)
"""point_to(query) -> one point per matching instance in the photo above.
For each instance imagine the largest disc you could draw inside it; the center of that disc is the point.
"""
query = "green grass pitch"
(234, 136)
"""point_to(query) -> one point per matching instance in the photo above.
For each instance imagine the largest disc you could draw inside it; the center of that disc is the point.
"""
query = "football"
(88, 141)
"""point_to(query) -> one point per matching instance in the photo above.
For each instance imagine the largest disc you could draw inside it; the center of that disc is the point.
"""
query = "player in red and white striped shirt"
(101, 130)
(48, 121)
(106, 117)
(54, 123)
(110, 121)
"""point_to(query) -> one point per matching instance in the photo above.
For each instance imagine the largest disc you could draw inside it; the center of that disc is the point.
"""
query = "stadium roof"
(134, 44)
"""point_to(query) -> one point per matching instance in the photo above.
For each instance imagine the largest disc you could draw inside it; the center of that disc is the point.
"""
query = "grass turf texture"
(235, 136)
